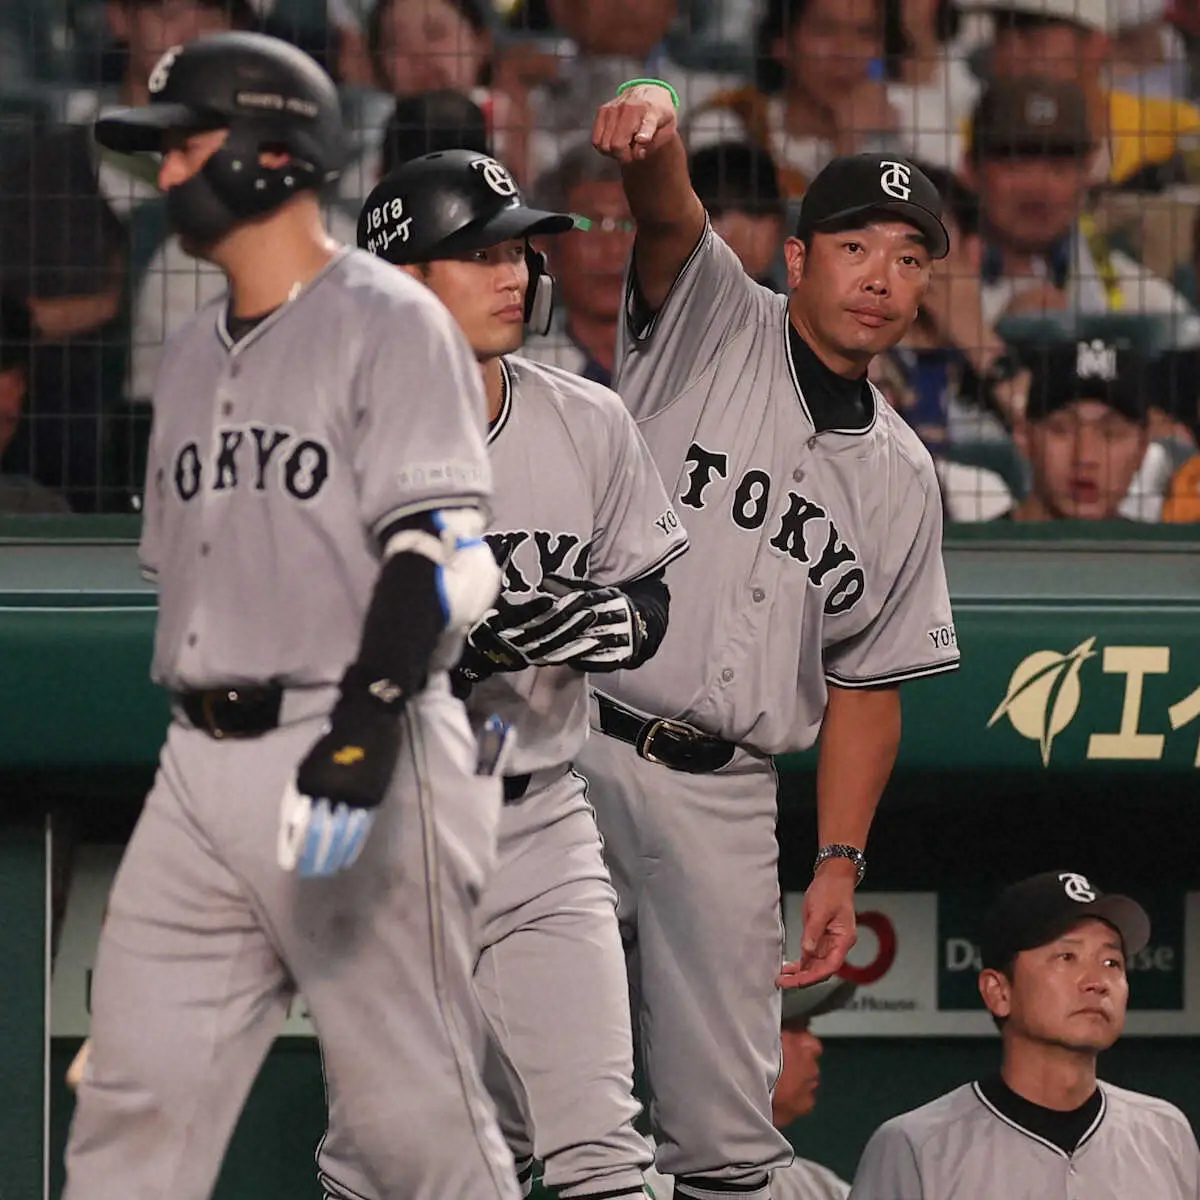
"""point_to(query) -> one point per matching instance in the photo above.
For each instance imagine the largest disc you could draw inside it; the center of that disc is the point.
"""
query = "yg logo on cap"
(496, 177)
(1077, 887)
(895, 179)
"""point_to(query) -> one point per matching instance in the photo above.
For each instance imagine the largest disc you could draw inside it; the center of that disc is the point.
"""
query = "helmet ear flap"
(539, 294)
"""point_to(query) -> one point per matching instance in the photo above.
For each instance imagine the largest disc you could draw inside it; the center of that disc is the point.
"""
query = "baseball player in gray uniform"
(320, 820)
(582, 524)
(814, 587)
(1054, 950)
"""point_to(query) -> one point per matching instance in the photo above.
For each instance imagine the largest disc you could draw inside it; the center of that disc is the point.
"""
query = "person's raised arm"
(639, 130)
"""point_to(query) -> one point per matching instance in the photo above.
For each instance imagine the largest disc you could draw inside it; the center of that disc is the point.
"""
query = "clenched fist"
(635, 124)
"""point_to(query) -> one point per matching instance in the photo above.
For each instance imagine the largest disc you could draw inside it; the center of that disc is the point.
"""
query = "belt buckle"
(660, 725)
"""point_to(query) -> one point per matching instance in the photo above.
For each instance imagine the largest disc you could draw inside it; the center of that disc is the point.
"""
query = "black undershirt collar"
(1066, 1130)
(239, 327)
(833, 401)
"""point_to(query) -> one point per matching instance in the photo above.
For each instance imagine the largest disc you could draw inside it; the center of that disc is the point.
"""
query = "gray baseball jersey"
(802, 1180)
(271, 469)
(578, 495)
(800, 539)
(960, 1147)
(273, 463)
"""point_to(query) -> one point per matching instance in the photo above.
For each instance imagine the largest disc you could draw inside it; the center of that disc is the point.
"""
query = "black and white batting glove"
(485, 652)
(329, 806)
(578, 624)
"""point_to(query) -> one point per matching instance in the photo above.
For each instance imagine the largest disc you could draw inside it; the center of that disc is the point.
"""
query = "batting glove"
(329, 807)
(590, 628)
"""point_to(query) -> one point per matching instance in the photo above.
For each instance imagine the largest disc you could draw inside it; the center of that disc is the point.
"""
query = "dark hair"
(778, 19)
(736, 176)
(472, 11)
(896, 46)
(241, 13)
(960, 202)
(16, 332)
(429, 121)
(1011, 21)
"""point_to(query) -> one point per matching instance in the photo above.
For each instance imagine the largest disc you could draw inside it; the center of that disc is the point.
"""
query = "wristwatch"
(837, 850)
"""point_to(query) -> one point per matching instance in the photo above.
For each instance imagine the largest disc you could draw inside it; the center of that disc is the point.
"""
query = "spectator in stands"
(18, 493)
(1031, 153)
(795, 1093)
(1176, 388)
(430, 121)
(1084, 432)
(929, 82)
(611, 41)
(1069, 40)
(738, 186)
(588, 264)
(816, 96)
(79, 229)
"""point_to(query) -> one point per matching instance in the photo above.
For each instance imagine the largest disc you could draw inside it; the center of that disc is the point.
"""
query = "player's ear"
(996, 989)
(795, 252)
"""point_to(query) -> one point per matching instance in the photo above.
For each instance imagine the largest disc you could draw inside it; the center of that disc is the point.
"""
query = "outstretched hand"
(635, 124)
(830, 929)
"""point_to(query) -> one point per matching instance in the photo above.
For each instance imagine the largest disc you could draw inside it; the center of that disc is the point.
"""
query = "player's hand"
(580, 624)
(635, 124)
(830, 928)
(485, 651)
(329, 807)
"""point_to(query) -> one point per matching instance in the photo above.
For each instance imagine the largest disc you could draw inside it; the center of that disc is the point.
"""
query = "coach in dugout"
(1054, 950)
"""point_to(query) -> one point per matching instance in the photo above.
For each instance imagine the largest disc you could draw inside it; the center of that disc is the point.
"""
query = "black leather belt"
(673, 744)
(233, 712)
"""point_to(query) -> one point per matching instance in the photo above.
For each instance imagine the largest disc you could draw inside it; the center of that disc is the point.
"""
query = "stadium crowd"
(1053, 370)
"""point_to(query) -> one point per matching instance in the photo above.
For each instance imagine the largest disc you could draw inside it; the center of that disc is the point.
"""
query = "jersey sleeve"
(888, 1169)
(659, 354)
(150, 542)
(420, 418)
(913, 634)
(637, 531)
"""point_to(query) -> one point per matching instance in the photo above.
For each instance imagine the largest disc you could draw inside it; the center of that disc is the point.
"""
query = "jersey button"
(235, 369)
(227, 409)
(191, 639)
(797, 476)
(205, 548)
(727, 675)
(758, 595)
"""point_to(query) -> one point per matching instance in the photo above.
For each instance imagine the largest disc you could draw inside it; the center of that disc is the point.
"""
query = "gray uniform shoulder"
(919, 1125)
(908, 447)
(561, 387)
(1137, 1107)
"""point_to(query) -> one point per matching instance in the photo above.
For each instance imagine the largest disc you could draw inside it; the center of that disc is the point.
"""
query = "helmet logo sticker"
(162, 70)
(496, 177)
(386, 223)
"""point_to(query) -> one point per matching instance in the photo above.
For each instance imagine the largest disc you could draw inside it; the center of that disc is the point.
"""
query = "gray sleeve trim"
(900, 676)
(641, 335)
(672, 553)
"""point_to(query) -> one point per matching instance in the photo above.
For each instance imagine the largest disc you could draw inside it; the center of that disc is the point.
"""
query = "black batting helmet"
(269, 95)
(452, 202)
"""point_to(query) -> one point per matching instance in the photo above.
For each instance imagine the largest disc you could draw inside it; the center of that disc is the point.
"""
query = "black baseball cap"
(1040, 909)
(856, 185)
(1088, 369)
(1032, 118)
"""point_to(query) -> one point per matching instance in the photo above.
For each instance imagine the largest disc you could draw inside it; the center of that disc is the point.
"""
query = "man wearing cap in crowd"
(1032, 146)
(1054, 951)
(1084, 431)
(1071, 41)
(795, 1094)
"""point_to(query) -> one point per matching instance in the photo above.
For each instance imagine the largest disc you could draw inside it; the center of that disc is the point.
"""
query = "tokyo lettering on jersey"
(826, 540)
(576, 495)
(272, 471)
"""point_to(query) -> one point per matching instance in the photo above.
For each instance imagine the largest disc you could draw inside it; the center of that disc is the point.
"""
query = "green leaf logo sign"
(1043, 695)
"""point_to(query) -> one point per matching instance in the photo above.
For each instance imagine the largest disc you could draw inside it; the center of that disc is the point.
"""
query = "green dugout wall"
(1070, 738)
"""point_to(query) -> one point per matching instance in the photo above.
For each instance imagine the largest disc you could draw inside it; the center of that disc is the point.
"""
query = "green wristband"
(662, 83)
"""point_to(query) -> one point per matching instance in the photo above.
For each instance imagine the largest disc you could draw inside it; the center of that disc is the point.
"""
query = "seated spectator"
(1084, 432)
(18, 493)
(1147, 56)
(588, 264)
(1031, 158)
(816, 97)
(1069, 40)
(1175, 422)
(79, 229)
(795, 1094)
(611, 41)
(428, 121)
(1055, 952)
(929, 82)
(738, 186)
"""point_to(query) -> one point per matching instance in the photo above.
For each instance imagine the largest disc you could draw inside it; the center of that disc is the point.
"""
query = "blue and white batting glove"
(329, 807)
